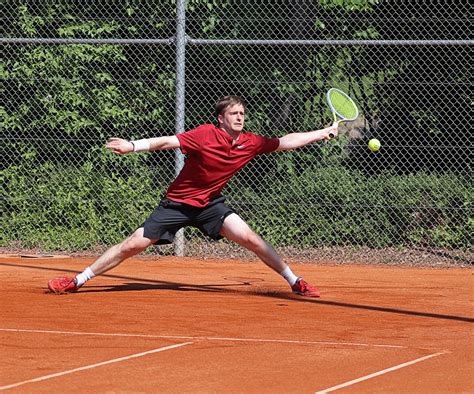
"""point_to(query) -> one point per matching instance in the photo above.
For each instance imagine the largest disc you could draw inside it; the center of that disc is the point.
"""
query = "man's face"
(233, 118)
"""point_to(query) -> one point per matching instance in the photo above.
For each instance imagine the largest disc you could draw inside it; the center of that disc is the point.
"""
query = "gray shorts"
(170, 216)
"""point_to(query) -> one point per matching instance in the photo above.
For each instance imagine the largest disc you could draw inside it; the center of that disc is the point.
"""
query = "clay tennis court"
(182, 325)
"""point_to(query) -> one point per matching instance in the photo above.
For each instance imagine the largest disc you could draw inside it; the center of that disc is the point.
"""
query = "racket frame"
(337, 116)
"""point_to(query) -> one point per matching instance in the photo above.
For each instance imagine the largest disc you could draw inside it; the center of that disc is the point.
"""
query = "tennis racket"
(343, 108)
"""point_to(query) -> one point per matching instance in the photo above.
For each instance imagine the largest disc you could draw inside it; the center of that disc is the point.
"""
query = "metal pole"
(180, 100)
(91, 41)
(195, 41)
(199, 41)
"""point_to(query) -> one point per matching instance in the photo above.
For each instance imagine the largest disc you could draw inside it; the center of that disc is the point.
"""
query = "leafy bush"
(92, 205)
(343, 207)
(75, 211)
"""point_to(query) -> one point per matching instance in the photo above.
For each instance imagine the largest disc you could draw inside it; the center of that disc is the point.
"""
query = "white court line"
(115, 360)
(204, 338)
(373, 375)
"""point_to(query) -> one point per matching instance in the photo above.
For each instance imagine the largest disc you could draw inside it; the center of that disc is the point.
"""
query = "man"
(215, 154)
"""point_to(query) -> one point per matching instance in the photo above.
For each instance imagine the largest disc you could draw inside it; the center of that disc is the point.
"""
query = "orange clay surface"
(181, 325)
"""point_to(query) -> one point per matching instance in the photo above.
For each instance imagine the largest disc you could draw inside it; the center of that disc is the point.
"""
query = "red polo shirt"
(213, 158)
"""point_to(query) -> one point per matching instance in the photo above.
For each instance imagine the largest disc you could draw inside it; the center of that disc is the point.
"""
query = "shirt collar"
(227, 136)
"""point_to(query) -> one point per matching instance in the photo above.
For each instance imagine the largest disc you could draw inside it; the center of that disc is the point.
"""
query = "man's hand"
(119, 146)
(332, 131)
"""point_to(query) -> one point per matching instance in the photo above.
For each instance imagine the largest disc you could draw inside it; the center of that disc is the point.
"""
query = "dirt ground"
(169, 325)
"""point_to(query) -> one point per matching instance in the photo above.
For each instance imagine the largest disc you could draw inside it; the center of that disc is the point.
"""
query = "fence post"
(180, 100)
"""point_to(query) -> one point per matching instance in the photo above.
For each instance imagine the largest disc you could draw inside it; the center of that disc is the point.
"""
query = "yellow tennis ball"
(374, 145)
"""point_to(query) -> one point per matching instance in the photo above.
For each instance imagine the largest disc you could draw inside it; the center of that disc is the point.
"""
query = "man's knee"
(135, 244)
(252, 241)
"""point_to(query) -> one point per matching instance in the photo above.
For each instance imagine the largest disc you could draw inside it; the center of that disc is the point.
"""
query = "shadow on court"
(141, 284)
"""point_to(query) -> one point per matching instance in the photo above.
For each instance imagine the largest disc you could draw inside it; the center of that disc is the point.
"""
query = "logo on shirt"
(241, 146)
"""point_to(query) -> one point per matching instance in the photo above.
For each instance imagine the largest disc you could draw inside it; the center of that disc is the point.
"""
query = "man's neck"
(234, 134)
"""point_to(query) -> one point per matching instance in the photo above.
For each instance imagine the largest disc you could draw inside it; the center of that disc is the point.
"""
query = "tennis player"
(214, 155)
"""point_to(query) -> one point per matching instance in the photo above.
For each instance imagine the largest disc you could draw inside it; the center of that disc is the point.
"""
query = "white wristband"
(141, 145)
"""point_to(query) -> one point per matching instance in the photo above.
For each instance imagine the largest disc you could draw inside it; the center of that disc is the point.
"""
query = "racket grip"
(332, 135)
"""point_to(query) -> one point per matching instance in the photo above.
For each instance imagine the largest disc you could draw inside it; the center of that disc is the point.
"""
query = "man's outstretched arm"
(297, 140)
(122, 147)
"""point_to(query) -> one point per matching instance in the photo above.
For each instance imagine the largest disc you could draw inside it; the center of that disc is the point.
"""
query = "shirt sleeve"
(193, 140)
(266, 145)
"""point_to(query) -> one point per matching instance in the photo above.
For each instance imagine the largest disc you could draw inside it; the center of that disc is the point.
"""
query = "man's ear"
(220, 119)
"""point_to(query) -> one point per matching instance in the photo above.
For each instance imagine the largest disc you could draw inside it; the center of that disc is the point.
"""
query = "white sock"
(84, 277)
(290, 277)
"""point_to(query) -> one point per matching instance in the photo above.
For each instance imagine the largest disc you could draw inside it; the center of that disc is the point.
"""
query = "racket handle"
(332, 135)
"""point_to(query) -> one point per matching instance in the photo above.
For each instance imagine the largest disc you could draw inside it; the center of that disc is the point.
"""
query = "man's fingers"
(118, 146)
(114, 144)
(114, 141)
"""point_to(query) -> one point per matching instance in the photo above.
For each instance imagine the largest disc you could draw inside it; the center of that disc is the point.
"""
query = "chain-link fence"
(74, 73)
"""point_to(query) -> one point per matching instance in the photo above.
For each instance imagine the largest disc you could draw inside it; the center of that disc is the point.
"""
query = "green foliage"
(69, 208)
(350, 5)
(343, 206)
(64, 99)
(79, 89)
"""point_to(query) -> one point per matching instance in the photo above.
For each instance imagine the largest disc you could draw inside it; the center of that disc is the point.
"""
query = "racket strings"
(343, 105)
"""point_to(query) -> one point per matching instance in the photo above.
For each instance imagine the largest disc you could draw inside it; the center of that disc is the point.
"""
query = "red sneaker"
(303, 288)
(62, 285)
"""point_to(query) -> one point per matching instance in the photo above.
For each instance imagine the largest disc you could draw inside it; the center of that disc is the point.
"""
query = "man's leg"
(235, 229)
(131, 246)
